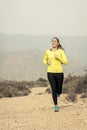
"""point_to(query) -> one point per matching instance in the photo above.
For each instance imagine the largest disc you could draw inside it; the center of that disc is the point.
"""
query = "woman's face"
(54, 43)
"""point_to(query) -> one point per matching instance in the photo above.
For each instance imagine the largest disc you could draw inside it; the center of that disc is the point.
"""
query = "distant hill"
(21, 56)
(28, 65)
(22, 65)
(75, 46)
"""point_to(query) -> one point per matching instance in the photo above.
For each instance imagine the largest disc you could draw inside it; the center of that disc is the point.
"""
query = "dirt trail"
(35, 112)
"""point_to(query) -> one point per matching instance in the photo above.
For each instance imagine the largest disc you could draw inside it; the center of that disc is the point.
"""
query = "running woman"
(54, 58)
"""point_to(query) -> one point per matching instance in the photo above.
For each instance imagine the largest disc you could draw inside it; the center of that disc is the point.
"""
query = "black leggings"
(56, 82)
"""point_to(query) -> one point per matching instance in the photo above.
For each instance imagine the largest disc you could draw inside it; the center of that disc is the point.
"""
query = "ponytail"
(60, 46)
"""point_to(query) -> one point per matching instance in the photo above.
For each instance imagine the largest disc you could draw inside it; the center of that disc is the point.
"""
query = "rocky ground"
(35, 112)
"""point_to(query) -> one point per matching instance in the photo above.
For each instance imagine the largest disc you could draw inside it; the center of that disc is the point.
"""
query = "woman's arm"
(45, 58)
(62, 57)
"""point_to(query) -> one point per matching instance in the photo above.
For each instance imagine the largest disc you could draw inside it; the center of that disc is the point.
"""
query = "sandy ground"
(35, 112)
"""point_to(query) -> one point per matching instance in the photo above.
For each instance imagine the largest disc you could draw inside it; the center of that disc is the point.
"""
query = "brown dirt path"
(35, 112)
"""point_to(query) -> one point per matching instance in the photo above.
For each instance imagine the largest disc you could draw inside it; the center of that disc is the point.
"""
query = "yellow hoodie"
(56, 63)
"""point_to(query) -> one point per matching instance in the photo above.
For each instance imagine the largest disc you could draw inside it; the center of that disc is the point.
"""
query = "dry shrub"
(84, 95)
(75, 85)
(48, 90)
(12, 89)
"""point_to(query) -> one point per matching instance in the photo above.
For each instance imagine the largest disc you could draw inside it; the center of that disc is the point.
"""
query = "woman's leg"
(59, 82)
(52, 81)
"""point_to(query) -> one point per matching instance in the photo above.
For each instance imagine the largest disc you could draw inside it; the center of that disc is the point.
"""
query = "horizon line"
(42, 35)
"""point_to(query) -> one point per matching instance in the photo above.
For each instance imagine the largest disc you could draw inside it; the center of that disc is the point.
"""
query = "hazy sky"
(42, 17)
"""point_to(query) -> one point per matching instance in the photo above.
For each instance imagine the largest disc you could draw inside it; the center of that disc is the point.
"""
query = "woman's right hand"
(48, 62)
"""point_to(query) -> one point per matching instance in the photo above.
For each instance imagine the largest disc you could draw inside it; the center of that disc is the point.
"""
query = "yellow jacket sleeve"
(62, 57)
(45, 58)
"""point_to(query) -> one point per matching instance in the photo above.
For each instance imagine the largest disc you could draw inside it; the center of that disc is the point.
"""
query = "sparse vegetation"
(74, 85)
(48, 90)
(84, 95)
(19, 88)
(13, 88)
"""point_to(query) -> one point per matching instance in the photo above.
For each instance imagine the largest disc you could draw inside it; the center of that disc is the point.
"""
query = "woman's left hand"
(56, 56)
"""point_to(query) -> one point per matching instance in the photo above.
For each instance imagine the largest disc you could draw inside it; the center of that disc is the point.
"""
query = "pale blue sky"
(42, 17)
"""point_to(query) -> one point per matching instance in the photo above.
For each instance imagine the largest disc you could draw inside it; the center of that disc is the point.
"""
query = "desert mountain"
(28, 65)
(21, 56)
